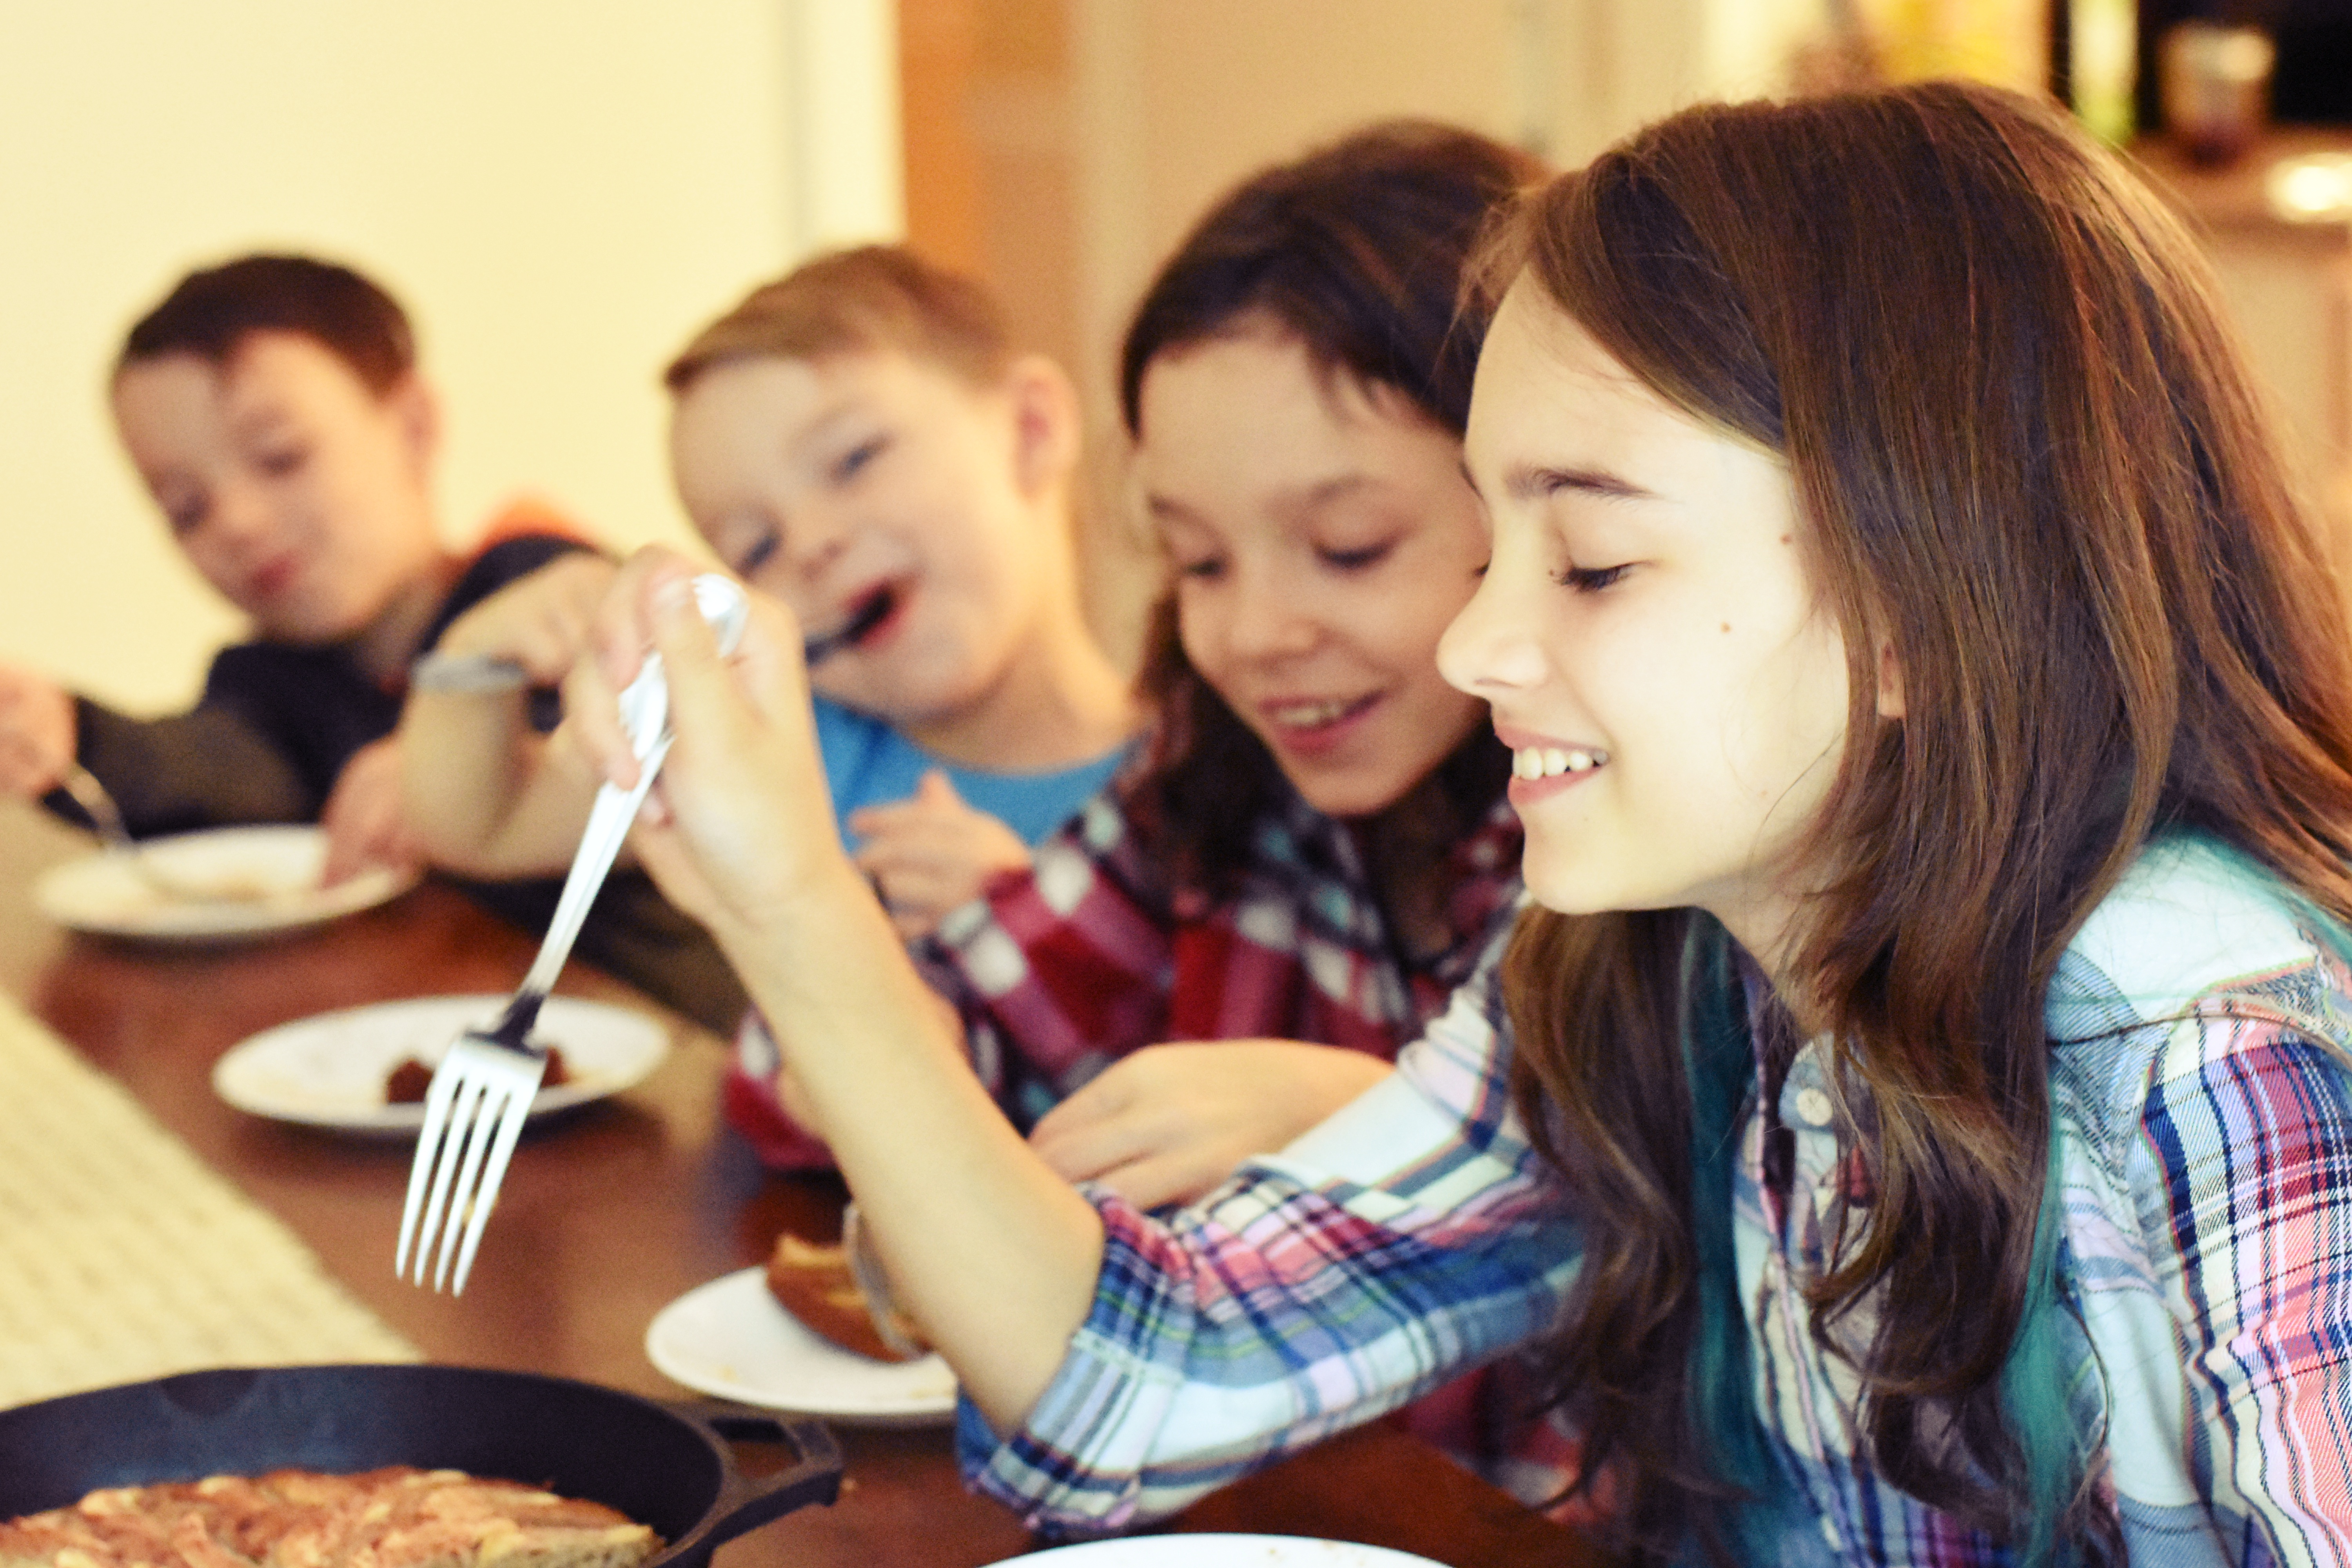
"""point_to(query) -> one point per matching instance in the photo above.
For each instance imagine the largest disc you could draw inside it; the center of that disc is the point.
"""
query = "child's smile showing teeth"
(1550, 761)
(1543, 769)
(1315, 715)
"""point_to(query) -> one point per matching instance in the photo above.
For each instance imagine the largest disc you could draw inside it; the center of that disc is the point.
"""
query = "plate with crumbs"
(732, 1339)
(221, 884)
(335, 1069)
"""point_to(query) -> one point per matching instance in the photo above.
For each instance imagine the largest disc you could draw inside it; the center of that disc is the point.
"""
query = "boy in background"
(273, 407)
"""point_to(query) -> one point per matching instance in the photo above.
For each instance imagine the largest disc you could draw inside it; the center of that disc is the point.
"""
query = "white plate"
(329, 1070)
(268, 879)
(733, 1340)
(1223, 1551)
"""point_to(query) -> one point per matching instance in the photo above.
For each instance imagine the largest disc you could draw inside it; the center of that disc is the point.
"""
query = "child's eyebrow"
(261, 421)
(843, 409)
(1337, 488)
(1321, 493)
(1534, 483)
(1160, 506)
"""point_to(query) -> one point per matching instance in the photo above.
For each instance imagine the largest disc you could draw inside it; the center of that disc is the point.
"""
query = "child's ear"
(1890, 682)
(1045, 423)
(417, 410)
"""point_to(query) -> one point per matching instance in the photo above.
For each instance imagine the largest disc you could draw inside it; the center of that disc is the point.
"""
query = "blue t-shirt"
(867, 762)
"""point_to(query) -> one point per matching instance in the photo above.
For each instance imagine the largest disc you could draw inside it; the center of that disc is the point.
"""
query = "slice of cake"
(818, 1285)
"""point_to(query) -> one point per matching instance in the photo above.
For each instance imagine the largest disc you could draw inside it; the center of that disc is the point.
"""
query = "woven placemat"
(124, 1256)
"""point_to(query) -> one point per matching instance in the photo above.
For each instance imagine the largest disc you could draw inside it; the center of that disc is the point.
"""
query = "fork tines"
(480, 1097)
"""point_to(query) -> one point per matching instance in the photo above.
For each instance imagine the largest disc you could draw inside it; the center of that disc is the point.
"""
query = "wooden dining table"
(606, 1216)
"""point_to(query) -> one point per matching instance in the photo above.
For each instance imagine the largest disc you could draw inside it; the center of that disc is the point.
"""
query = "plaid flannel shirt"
(2200, 1037)
(1089, 955)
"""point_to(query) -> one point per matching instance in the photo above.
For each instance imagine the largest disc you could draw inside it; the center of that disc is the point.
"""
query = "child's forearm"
(991, 1252)
(487, 792)
(480, 787)
(994, 1254)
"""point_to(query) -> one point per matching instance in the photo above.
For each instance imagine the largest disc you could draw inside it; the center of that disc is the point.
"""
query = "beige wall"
(560, 189)
(1179, 100)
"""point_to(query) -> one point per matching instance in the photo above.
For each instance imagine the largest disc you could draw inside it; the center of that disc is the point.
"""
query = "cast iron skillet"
(667, 1467)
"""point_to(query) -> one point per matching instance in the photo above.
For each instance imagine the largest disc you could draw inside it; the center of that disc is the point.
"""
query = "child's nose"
(812, 543)
(1267, 623)
(1487, 645)
(239, 515)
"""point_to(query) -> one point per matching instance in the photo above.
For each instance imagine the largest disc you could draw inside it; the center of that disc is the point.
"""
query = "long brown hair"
(2030, 464)
(1358, 250)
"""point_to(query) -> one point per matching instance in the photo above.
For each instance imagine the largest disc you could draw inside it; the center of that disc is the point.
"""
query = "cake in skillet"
(398, 1516)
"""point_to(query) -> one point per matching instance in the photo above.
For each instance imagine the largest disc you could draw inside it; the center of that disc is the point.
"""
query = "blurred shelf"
(2288, 284)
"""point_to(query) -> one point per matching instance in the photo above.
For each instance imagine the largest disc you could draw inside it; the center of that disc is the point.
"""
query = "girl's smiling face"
(1322, 536)
(1674, 694)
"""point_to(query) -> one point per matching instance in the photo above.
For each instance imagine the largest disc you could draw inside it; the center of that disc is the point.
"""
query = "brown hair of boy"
(2032, 467)
(867, 298)
(211, 311)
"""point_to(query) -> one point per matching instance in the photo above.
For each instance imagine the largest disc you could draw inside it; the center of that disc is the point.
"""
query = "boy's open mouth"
(865, 615)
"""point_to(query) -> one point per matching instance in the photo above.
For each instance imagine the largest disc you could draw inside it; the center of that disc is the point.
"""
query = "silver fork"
(481, 1092)
(93, 798)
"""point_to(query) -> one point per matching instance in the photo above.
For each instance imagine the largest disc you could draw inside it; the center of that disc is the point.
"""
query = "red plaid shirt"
(1089, 955)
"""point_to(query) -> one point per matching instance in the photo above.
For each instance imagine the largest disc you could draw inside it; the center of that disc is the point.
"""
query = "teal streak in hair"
(1719, 1065)
(2035, 1384)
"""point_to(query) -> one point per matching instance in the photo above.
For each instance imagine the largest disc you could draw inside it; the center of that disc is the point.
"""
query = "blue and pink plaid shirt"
(2200, 1037)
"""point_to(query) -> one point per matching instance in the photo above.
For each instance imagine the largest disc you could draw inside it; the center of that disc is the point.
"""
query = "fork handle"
(95, 801)
(514, 1025)
(599, 844)
(645, 715)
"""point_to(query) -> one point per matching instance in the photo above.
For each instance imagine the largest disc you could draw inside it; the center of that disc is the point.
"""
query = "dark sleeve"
(508, 561)
(265, 743)
(207, 767)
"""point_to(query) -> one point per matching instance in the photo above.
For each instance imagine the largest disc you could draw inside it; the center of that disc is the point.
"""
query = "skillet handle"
(745, 1502)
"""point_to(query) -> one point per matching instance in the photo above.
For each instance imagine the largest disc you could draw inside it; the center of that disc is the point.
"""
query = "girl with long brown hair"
(1930, 1137)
